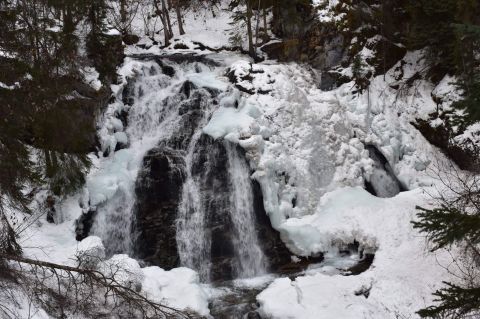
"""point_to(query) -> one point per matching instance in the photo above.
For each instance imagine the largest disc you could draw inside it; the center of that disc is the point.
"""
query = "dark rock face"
(382, 182)
(211, 170)
(277, 253)
(159, 189)
(441, 136)
(84, 224)
(158, 192)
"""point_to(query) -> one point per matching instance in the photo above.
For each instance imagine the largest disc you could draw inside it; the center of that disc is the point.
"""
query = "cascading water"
(181, 198)
(192, 237)
(251, 259)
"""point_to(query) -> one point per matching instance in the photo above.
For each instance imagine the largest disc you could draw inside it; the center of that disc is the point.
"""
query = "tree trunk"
(251, 50)
(8, 243)
(257, 25)
(265, 25)
(179, 17)
(123, 16)
(167, 19)
(159, 11)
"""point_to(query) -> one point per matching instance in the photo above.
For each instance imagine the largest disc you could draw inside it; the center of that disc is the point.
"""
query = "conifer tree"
(455, 222)
(47, 111)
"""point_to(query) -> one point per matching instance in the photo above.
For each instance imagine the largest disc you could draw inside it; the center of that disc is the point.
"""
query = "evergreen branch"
(455, 302)
(445, 226)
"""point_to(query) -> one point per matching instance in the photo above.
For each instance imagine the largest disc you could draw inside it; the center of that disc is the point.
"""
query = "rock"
(50, 207)
(440, 137)
(187, 88)
(159, 188)
(130, 39)
(382, 182)
(181, 46)
(158, 191)
(83, 224)
(128, 92)
(362, 266)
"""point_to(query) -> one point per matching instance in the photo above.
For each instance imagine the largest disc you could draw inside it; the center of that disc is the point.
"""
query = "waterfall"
(179, 197)
(202, 200)
(193, 239)
(251, 259)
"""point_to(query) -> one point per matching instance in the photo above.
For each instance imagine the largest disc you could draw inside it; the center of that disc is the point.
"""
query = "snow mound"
(179, 288)
(125, 270)
(399, 282)
(90, 251)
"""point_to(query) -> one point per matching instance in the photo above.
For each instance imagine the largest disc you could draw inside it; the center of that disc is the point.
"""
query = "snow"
(113, 32)
(9, 87)
(447, 91)
(179, 288)
(400, 280)
(104, 184)
(91, 77)
(228, 120)
(125, 270)
(90, 251)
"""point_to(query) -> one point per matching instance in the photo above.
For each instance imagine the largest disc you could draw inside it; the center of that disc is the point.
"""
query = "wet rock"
(211, 170)
(50, 207)
(272, 245)
(130, 39)
(158, 191)
(382, 182)
(187, 88)
(362, 266)
(84, 224)
(128, 92)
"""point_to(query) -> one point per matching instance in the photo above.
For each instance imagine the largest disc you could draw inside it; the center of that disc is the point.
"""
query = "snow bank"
(399, 281)
(179, 288)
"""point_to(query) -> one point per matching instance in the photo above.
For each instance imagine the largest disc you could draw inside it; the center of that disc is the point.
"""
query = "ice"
(208, 80)
(121, 138)
(399, 281)
(104, 184)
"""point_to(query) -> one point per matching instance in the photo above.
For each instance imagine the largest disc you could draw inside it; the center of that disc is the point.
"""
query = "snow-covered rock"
(125, 270)
(90, 251)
